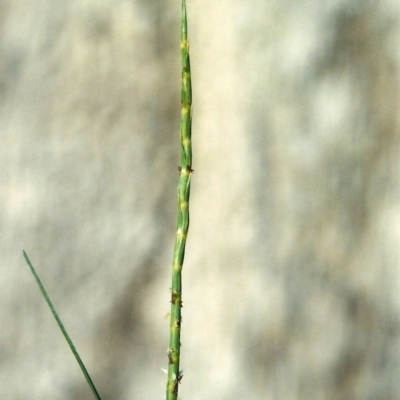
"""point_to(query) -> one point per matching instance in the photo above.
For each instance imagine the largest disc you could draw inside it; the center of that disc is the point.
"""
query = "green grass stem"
(185, 172)
(63, 330)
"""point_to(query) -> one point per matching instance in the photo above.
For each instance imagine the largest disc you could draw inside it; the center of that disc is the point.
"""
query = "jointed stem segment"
(185, 171)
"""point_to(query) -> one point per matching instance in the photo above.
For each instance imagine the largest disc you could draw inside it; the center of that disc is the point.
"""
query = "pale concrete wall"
(292, 274)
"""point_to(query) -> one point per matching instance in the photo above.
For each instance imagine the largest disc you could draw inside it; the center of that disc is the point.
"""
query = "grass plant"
(185, 172)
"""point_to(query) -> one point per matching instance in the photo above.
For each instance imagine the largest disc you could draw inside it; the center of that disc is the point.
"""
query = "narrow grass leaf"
(63, 330)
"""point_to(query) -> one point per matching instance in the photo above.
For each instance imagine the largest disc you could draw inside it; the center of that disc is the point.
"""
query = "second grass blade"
(63, 330)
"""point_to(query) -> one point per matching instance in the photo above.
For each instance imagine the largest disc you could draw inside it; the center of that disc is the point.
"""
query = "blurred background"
(292, 271)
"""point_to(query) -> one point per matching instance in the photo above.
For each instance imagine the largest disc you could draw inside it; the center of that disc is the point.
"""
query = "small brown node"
(174, 296)
(176, 383)
(174, 299)
(187, 168)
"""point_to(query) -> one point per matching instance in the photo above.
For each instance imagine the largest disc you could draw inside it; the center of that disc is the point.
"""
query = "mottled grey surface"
(292, 273)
